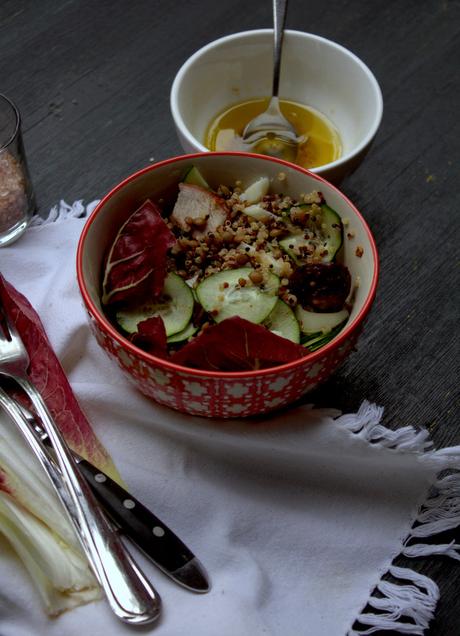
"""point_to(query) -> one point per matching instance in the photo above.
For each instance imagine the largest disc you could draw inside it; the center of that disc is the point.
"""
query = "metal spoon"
(270, 133)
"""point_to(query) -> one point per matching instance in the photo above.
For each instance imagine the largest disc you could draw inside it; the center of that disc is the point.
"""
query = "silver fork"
(130, 595)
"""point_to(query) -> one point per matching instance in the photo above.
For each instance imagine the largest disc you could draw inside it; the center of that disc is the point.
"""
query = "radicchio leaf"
(136, 264)
(235, 344)
(4, 482)
(151, 337)
(46, 372)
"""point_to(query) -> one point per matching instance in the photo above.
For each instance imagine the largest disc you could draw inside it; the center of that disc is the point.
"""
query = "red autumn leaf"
(136, 264)
(46, 372)
(151, 337)
(236, 344)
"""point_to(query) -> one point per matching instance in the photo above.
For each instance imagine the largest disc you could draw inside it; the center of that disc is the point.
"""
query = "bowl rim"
(107, 326)
(179, 121)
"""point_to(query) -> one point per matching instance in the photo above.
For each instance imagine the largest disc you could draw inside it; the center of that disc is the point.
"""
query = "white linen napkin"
(295, 516)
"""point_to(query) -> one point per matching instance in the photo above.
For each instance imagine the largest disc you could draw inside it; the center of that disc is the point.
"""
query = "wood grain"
(92, 81)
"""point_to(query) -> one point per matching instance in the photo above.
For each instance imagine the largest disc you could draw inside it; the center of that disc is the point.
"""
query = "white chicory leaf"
(35, 523)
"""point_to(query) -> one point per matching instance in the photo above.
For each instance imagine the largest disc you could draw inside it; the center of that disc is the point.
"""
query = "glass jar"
(17, 201)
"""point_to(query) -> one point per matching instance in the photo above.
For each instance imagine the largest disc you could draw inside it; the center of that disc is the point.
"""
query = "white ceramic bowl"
(314, 71)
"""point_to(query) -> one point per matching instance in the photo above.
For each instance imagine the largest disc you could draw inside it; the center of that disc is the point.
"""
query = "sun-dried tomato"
(321, 287)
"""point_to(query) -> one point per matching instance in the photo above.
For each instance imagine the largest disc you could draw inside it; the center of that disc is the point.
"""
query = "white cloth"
(295, 516)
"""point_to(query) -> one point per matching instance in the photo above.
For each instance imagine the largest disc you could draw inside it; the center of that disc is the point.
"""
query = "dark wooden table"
(92, 81)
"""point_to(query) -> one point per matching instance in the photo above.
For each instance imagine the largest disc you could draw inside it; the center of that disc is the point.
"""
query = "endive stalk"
(36, 525)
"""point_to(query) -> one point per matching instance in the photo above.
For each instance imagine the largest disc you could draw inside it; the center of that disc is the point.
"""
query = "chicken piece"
(198, 210)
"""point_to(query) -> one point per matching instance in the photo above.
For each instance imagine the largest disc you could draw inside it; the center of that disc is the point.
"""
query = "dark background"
(92, 81)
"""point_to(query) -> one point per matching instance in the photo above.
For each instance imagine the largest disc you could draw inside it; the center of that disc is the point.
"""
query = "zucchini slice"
(282, 321)
(189, 331)
(223, 296)
(175, 308)
(314, 323)
(312, 343)
(333, 230)
(194, 177)
(328, 230)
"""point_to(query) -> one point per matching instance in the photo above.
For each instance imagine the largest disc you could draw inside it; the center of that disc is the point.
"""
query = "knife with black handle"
(139, 524)
(142, 527)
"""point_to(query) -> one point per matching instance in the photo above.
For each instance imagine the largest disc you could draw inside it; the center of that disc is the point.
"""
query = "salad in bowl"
(226, 284)
(229, 279)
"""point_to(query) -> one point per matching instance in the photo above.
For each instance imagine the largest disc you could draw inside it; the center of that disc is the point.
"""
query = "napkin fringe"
(408, 608)
(366, 425)
(415, 604)
(440, 512)
(63, 211)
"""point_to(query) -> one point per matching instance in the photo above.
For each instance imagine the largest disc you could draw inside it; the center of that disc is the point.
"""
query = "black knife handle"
(138, 522)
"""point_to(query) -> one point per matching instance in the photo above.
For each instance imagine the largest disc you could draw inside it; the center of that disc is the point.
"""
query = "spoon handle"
(279, 20)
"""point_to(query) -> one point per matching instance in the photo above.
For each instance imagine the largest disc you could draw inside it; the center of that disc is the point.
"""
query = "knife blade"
(138, 523)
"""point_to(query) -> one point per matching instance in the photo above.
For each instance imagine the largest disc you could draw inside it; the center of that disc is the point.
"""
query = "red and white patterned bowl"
(210, 393)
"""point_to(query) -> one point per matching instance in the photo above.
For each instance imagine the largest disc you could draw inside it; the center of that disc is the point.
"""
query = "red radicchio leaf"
(46, 372)
(236, 344)
(4, 482)
(136, 264)
(151, 337)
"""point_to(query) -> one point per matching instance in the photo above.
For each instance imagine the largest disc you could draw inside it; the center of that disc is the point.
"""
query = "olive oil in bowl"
(322, 143)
